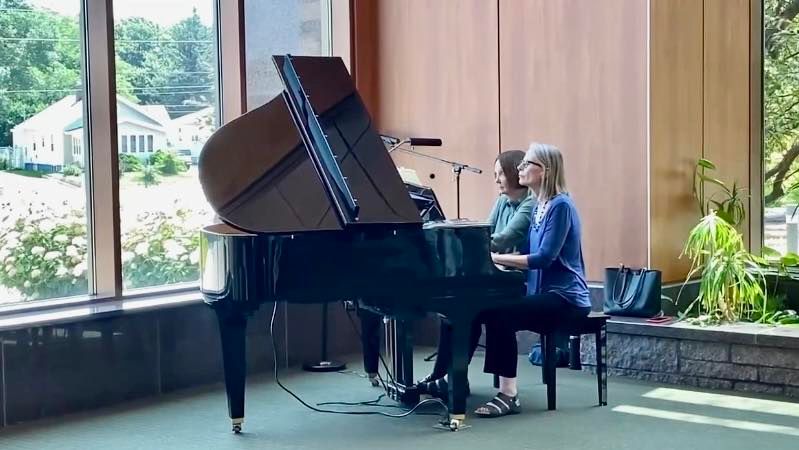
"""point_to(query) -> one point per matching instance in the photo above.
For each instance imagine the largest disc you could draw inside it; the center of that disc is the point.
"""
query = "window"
(167, 79)
(43, 224)
(274, 27)
(781, 124)
(171, 53)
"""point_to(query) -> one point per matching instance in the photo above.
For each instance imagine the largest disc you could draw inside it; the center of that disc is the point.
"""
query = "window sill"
(49, 314)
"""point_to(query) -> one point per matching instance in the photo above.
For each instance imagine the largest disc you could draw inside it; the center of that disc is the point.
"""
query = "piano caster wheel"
(237, 425)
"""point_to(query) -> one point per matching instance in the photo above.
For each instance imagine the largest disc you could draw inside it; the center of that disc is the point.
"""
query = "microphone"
(424, 142)
(391, 140)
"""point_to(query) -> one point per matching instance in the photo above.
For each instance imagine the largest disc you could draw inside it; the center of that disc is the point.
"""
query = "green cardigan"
(511, 223)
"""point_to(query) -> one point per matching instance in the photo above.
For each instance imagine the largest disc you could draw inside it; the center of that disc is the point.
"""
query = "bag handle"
(623, 273)
(635, 292)
(624, 301)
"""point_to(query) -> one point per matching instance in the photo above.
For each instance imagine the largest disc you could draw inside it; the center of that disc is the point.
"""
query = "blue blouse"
(555, 257)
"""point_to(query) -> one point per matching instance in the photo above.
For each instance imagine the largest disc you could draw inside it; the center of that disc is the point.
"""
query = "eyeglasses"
(525, 164)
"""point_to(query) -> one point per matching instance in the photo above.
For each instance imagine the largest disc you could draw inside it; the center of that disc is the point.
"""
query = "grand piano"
(312, 209)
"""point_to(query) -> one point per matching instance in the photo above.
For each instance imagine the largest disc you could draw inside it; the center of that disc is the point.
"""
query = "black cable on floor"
(312, 408)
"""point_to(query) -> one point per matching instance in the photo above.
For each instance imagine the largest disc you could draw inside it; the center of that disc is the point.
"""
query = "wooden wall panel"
(438, 78)
(365, 62)
(573, 74)
(726, 89)
(676, 61)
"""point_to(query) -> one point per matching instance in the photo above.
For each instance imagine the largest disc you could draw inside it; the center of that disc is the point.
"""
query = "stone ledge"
(739, 333)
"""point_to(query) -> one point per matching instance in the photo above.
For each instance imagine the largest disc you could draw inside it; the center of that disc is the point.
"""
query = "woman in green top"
(510, 220)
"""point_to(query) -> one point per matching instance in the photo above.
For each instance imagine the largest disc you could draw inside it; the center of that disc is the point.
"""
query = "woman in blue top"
(556, 288)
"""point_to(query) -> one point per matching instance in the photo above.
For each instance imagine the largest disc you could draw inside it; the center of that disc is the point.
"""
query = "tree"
(144, 57)
(39, 62)
(194, 48)
(781, 97)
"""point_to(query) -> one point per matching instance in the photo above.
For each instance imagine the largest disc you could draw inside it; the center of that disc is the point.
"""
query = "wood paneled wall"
(437, 77)
(573, 74)
(676, 131)
(633, 92)
(726, 89)
(700, 107)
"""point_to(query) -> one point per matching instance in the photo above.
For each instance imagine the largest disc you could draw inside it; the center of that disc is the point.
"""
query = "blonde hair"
(553, 182)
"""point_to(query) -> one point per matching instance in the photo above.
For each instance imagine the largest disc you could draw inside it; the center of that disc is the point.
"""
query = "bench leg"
(496, 381)
(602, 366)
(543, 340)
(574, 353)
(550, 364)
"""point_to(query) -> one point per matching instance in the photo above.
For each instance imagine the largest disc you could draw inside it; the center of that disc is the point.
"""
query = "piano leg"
(232, 329)
(458, 371)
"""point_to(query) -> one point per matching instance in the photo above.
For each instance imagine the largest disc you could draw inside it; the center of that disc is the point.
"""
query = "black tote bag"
(632, 292)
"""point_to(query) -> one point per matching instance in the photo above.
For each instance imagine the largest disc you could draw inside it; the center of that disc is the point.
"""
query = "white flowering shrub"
(163, 248)
(43, 253)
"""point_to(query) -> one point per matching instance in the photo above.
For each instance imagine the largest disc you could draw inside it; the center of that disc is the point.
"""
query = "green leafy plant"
(149, 175)
(732, 281)
(43, 254)
(167, 163)
(71, 170)
(129, 163)
(727, 202)
(162, 249)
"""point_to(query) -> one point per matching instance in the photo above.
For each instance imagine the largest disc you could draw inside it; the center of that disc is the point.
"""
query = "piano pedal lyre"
(237, 423)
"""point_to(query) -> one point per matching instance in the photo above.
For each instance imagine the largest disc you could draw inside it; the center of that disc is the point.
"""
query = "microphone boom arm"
(457, 168)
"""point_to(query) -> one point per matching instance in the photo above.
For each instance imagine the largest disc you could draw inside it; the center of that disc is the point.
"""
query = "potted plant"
(732, 282)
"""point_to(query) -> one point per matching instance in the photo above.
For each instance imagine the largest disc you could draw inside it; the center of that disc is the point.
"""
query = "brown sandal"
(500, 405)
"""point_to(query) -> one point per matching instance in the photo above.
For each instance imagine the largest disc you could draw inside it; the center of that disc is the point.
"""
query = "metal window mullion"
(102, 179)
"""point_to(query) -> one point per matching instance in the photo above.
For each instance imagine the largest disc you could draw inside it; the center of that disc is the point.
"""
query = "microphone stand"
(457, 169)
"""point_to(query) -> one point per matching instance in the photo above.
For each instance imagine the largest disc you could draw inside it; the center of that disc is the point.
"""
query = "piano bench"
(596, 324)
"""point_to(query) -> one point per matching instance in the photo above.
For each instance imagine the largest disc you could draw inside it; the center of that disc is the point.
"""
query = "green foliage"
(780, 98)
(43, 254)
(149, 175)
(167, 162)
(4, 164)
(162, 249)
(71, 170)
(129, 163)
(726, 202)
(732, 282)
(155, 60)
(45, 65)
(27, 173)
(39, 71)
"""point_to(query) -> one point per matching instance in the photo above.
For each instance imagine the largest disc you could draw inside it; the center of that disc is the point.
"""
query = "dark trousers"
(541, 313)
(444, 356)
(370, 339)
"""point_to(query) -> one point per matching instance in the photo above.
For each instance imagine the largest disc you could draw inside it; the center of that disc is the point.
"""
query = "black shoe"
(430, 377)
(439, 388)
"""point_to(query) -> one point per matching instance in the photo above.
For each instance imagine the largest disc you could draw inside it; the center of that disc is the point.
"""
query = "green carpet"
(639, 416)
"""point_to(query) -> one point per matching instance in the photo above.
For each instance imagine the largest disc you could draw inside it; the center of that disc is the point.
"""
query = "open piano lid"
(308, 160)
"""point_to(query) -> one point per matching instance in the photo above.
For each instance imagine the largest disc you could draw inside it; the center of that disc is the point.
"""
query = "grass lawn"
(26, 173)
